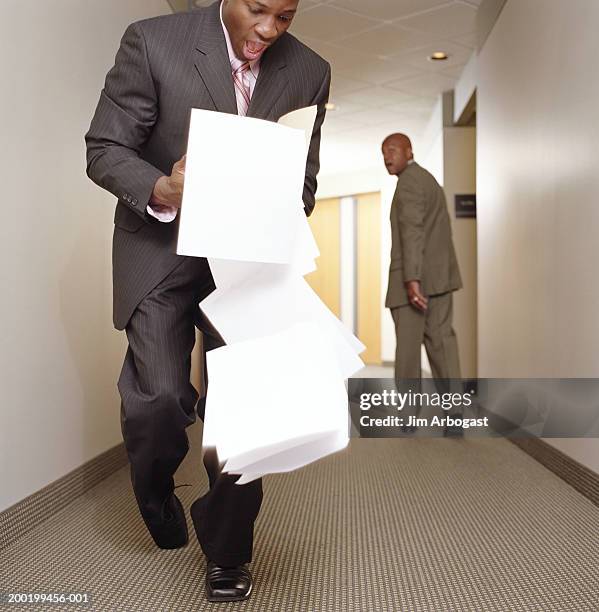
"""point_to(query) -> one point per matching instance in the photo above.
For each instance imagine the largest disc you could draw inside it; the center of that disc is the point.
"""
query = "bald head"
(397, 152)
(399, 140)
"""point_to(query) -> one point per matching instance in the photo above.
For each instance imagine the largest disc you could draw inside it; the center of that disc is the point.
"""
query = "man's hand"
(168, 190)
(415, 295)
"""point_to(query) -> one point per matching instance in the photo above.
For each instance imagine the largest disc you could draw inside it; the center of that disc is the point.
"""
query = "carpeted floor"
(388, 525)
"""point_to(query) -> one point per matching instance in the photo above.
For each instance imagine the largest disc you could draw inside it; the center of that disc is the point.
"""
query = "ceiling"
(382, 80)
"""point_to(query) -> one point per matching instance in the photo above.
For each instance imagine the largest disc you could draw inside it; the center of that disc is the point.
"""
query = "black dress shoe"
(171, 531)
(227, 583)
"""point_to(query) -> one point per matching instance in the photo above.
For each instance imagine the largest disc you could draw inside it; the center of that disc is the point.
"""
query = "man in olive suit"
(424, 271)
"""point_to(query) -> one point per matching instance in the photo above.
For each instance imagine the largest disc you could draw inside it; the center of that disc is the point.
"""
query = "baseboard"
(583, 479)
(35, 509)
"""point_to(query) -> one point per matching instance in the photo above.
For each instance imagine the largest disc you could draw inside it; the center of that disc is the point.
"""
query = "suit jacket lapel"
(212, 62)
(271, 82)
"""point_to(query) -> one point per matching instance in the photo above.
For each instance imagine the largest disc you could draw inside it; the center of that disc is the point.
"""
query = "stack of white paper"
(277, 398)
(286, 404)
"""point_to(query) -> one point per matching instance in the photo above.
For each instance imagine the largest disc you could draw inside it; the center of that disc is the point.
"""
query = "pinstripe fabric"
(164, 67)
(158, 404)
(158, 399)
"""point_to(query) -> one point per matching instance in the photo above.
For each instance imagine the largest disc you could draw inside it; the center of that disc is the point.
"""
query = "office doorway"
(368, 275)
(348, 279)
(326, 279)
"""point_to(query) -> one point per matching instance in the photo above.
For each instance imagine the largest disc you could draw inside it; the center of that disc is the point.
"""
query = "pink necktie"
(242, 85)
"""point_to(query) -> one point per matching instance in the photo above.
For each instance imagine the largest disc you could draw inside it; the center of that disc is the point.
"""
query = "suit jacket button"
(133, 202)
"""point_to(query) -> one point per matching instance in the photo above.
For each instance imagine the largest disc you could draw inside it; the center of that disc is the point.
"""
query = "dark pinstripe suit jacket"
(165, 66)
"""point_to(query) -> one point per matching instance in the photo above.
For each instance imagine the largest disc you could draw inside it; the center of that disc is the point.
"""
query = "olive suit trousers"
(434, 328)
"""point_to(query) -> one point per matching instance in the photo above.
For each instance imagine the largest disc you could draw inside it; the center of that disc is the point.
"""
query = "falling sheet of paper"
(301, 119)
(293, 409)
(227, 273)
(288, 456)
(235, 197)
(273, 299)
(255, 299)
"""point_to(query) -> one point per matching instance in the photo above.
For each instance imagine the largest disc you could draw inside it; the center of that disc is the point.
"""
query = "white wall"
(60, 356)
(459, 147)
(430, 154)
(465, 88)
(449, 154)
(434, 160)
(538, 192)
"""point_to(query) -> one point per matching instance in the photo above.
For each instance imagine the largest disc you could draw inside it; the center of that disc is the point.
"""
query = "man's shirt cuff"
(164, 214)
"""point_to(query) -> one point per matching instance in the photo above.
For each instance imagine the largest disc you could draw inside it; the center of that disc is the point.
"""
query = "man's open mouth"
(253, 50)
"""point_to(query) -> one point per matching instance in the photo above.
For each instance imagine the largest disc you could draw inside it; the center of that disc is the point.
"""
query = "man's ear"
(410, 154)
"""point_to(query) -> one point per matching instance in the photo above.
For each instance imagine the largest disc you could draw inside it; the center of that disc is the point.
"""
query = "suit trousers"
(159, 403)
(434, 328)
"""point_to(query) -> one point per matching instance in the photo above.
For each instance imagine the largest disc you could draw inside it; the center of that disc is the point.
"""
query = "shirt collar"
(255, 65)
(410, 162)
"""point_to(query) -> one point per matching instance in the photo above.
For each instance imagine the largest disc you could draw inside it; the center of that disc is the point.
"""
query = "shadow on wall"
(95, 347)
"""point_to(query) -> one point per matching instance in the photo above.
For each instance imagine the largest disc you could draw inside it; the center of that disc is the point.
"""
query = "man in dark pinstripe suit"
(135, 149)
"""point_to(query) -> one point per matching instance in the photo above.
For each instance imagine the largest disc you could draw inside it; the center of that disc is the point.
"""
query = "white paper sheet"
(296, 454)
(227, 273)
(245, 478)
(301, 119)
(271, 300)
(305, 250)
(241, 203)
(292, 404)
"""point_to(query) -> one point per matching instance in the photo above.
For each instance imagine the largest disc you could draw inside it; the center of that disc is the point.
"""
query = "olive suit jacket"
(421, 243)
(166, 66)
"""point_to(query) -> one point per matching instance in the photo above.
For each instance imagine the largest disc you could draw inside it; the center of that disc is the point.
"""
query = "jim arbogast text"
(399, 401)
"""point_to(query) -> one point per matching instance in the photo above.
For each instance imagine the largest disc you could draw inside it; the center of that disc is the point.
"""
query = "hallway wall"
(538, 191)
(60, 356)
(459, 153)
(450, 155)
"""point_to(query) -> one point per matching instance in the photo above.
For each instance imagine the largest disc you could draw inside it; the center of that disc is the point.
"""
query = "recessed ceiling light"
(330, 106)
(438, 56)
